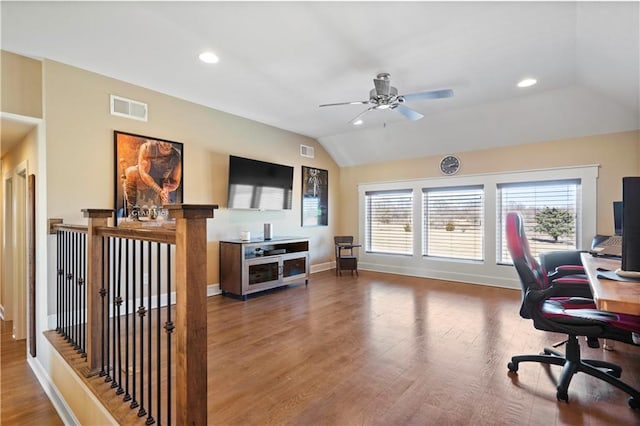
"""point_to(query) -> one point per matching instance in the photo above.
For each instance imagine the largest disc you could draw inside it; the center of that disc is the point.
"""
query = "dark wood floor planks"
(22, 400)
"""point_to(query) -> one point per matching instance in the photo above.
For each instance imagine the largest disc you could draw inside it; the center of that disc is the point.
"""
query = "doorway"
(15, 250)
(22, 139)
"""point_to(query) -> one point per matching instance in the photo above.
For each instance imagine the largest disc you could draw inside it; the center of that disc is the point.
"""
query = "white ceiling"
(280, 60)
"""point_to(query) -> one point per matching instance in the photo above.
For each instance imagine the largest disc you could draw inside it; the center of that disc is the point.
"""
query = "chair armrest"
(572, 287)
(553, 259)
(567, 271)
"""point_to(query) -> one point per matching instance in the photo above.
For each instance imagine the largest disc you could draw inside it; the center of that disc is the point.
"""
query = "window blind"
(389, 221)
(453, 222)
(550, 210)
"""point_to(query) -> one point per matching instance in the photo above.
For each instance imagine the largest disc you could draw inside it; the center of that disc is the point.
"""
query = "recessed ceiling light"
(209, 58)
(357, 122)
(527, 82)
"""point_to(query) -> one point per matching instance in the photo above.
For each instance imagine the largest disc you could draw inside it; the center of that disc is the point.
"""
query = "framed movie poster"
(148, 175)
(315, 197)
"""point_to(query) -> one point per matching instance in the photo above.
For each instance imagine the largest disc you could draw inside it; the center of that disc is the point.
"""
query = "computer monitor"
(617, 217)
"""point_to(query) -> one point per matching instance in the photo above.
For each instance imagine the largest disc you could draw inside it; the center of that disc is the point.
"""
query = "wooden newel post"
(95, 276)
(191, 311)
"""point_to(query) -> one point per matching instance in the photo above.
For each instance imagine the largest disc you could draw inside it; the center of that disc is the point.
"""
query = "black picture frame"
(315, 196)
(147, 175)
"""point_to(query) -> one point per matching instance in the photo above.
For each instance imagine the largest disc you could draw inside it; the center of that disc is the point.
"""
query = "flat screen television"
(259, 185)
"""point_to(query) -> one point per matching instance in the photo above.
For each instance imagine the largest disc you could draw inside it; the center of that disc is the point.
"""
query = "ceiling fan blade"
(432, 94)
(408, 112)
(359, 116)
(346, 103)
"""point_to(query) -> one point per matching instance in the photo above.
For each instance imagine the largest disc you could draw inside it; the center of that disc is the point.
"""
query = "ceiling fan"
(385, 96)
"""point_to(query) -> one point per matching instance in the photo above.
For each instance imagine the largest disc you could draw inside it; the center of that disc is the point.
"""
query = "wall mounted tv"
(259, 185)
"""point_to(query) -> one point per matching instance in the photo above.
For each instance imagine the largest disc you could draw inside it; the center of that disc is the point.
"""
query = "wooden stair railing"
(190, 240)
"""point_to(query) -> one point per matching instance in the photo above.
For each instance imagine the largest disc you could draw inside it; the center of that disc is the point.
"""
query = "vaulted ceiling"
(280, 60)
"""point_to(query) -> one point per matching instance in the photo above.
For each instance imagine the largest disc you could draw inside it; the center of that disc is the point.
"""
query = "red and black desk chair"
(552, 308)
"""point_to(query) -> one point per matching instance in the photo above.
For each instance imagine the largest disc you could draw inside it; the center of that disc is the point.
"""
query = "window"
(453, 222)
(551, 213)
(389, 221)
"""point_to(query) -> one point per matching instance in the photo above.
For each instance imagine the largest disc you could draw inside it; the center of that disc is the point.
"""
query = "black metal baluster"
(169, 329)
(112, 291)
(149, 335)
(63, 278)
(134, 401)
(127, 395)
(141, 312)
(107, 321)
(103, 295)
(112, 311)
(83, 292)
(158, 331)
(68, 292)
(65, 296)
(117, 330)
(76, 292)
(60, 257)
(69, 286)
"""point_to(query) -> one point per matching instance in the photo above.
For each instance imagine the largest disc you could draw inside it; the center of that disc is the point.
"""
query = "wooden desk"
(613, 296)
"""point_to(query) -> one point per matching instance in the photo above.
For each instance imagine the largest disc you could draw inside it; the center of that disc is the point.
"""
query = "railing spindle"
(141, 312)
(149, 335)
(127, 256)
(169, 329)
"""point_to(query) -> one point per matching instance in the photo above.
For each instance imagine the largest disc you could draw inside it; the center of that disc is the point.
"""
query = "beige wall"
(617, 154)
(21, 85)
(80, 149)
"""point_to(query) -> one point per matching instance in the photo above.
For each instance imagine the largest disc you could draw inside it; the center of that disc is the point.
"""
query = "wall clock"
(450, 165)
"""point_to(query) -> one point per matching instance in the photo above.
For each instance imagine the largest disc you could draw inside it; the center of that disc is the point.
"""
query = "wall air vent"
(307, 151)
(123, 107)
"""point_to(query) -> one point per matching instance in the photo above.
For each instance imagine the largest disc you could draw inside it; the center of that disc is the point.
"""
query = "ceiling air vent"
(307, 151)
(128, 108)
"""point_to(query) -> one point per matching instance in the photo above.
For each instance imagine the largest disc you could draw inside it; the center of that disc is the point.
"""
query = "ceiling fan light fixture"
(209, 57)
(527, 82)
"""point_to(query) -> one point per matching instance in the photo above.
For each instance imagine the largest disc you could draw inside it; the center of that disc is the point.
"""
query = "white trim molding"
(488, 271)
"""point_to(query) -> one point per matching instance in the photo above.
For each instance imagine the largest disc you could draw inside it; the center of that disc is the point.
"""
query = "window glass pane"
(453, 222)
(389, 222)
(551, 214)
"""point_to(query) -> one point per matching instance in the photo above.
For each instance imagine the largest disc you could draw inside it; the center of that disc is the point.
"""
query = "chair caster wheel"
(634, 403)
(512, 367)
(562, 395)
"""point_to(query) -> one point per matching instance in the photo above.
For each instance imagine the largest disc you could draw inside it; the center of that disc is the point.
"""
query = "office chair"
(552, 309)
(567, 272)
(345, 258)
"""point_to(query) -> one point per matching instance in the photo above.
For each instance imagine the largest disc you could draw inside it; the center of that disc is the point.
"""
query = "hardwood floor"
(383, 349)
(22, 400)
(387, 350)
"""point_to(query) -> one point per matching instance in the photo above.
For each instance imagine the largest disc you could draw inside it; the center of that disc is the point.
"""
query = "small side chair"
(346, 260)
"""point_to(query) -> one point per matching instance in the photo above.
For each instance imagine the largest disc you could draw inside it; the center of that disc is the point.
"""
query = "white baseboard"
(319, 267)
(213, 290)
(58, 402)
(492, 281)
